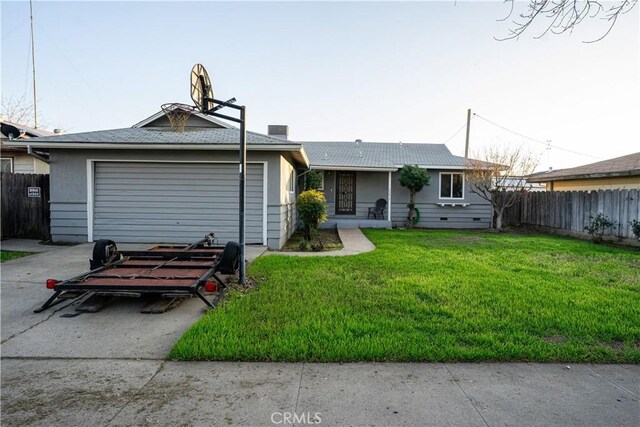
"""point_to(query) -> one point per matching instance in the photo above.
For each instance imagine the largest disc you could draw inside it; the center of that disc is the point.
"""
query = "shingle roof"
(620, 166)
(379, 154)
(163, 135)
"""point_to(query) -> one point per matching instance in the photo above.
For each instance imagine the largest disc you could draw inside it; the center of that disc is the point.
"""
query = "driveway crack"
(160, 368)
(53, 313)
(466, 395)
(614, 383)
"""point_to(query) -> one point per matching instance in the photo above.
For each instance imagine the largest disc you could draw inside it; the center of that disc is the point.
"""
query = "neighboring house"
(356, 174)
(615, 174)
(149, 183)
(17, 159)
(520, 183)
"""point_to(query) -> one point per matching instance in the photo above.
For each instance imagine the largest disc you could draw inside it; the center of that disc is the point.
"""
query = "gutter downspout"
(36, 156)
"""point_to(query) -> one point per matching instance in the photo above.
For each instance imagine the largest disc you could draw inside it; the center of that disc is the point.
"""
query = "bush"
(635, 227)
(312, 211)
(317, 246)
(313, 180)
(597, 226)
(303, 245)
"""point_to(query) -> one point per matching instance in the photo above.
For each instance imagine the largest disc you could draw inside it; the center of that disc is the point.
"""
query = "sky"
(376, 71)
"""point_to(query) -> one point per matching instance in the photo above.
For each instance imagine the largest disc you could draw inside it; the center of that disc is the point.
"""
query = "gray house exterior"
(149, 183)
(356, 174)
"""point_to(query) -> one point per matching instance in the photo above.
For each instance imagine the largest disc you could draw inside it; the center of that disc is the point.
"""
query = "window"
(292, 180)
(7, 164)
(451, 185)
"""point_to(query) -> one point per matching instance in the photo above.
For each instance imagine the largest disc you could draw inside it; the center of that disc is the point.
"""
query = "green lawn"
(8, 255)
(433, 296)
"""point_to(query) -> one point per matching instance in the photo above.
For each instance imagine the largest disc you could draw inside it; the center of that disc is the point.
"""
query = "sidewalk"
(118, 392)
(353, 241)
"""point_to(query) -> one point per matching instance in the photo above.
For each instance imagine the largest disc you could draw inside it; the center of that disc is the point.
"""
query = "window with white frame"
(451, 185)
(7, 164)
(292, 180)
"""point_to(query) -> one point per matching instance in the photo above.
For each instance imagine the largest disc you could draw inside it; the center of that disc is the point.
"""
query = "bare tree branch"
(498, 177)
(17, 110)
(564, 15)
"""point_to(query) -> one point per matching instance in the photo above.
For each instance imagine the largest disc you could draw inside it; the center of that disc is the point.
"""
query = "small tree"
(500, 177)
(312, 211)
(313, 180)
(414, 178)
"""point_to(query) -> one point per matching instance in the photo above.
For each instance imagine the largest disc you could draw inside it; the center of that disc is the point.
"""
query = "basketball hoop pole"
(242, 169)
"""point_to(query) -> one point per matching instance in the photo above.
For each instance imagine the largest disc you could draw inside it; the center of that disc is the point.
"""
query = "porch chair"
(378, 209)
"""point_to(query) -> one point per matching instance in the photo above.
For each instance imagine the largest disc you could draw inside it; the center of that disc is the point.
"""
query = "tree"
(313, 180)
(312, 211)
(17, 110)
(564, 15)
(414, 178)
(499, 177)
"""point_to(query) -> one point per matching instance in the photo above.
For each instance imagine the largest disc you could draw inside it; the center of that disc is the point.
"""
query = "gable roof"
(163, 138)
(628, 165)
(380, 155)
(149, 120)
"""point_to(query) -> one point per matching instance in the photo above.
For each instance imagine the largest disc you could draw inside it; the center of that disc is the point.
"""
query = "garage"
(172, 202)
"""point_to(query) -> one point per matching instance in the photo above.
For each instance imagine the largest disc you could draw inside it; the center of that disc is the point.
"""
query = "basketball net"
(178, 114)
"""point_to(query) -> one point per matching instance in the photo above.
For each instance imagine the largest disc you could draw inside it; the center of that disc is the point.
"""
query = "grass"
(329, 238)
(433, 296)
(9, 255)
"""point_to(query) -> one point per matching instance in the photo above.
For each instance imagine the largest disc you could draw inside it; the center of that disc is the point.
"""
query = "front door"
(345, 193)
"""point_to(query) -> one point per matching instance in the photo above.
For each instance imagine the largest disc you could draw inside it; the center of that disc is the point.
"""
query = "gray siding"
(69, 184)
(431, 215)
(174, 202)
(371, 186)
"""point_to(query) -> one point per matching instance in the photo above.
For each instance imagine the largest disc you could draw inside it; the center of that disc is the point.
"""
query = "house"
(150, 183)
(18, 159)
(356, 174)
(614, 174)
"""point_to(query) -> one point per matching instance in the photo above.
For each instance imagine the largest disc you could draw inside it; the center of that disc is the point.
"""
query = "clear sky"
(380, 71)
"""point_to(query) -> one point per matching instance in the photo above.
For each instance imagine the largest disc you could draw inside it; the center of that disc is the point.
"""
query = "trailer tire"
(104, 252)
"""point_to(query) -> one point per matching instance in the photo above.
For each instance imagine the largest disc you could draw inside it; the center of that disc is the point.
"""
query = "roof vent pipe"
(400, 144)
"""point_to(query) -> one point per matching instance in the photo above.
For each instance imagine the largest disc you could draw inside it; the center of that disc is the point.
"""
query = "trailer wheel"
(104, 252)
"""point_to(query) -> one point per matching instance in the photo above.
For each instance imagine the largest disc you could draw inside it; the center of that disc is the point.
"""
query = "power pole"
(466, 144)
(33, 61)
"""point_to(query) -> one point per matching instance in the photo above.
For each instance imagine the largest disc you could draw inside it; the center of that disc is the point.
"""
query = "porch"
(352, 194)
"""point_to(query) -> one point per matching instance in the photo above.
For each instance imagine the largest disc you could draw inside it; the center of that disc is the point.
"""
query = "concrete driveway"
(118, 330)
(108, 369)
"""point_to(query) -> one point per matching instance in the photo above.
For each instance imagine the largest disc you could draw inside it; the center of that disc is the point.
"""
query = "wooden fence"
(571, 210)
(25, 206)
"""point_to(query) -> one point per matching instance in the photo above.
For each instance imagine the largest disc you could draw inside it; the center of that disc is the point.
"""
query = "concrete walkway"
(353, 240)
(119, 392)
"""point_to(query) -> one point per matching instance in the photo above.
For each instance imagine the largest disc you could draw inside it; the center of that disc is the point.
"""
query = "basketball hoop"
(178, 114)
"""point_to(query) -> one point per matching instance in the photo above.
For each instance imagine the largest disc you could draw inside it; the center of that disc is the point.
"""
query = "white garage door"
(174, 202)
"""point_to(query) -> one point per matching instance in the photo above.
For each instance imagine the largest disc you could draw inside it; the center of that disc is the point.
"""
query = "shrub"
(317, 246)
(313, 180)
(303, 245)
(635, 227)
(597, 226)
(312, 211)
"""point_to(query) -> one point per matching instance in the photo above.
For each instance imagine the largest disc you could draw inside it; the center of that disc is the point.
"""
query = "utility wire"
(546, 144)
(457, 132)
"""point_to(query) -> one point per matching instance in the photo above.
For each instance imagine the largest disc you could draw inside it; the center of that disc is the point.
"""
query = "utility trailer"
(165, 270)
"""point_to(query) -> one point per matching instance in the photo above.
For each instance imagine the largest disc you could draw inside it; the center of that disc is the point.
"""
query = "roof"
(163, 138)
(628, 165)
(160, 135)
(379, 155)
(28, 131)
